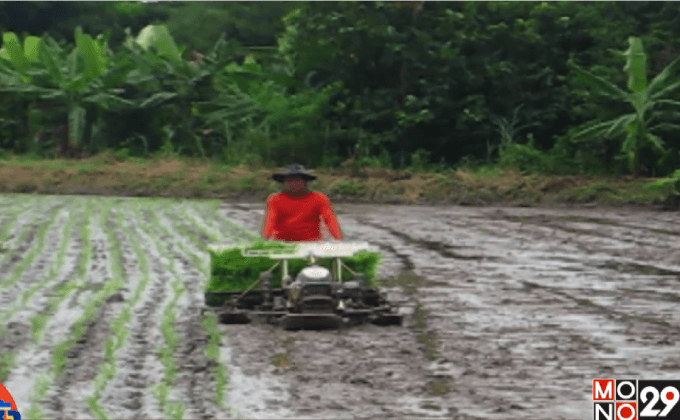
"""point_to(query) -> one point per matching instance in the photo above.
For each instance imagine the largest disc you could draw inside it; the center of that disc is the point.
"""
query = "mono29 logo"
(632, 399)
(8, 408)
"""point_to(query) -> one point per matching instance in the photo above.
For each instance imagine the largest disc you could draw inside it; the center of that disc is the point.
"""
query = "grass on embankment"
(191, 178)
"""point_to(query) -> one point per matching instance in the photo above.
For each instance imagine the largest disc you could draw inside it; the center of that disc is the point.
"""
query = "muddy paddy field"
(511, 312)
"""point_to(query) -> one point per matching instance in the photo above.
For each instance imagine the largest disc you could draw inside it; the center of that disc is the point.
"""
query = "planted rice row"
(213, 351)
(38, 322)
(52, 273)
(166, 352)
(60, 351)
(8, 359)
(187, 225)
(119, 326)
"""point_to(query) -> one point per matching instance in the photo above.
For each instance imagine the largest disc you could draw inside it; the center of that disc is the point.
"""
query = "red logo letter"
(603, 390)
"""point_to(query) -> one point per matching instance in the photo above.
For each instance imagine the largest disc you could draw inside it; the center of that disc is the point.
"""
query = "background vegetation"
(423, 85)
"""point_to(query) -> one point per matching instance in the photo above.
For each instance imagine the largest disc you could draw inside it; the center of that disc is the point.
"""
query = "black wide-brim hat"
(294, 171)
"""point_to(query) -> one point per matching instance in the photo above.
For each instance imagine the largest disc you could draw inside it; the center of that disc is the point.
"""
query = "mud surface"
(511, 312)
(514, 312)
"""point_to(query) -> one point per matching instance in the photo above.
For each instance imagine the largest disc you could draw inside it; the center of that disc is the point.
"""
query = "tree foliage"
(394, 83)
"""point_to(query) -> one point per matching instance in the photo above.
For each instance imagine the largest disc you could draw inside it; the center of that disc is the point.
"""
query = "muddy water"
(516, 310)
(510, 314)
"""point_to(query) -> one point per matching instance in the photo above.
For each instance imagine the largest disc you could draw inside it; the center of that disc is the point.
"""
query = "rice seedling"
(199, 264)
(38, 322)
(119, 325)
(52, 273)
(18, 272)
(166, 353)
(172, 409)
(213, 353)
(90, 310)
(24, 230)
(7, 361)
(40, 390)
(198, 227)
(213, 350)
(6, 227)
(230, 271)
(240, 231)
(64, 290)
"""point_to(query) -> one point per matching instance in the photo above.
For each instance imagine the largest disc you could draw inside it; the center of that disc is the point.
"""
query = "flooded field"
(511, 313)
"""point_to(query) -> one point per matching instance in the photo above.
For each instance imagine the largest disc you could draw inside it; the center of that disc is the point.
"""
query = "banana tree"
(256, 103)
(78, 83)
(15, 56)
(651, 102)
(20, 57)
(178, 85)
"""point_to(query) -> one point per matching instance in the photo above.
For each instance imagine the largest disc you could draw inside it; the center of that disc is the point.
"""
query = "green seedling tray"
(230, 271)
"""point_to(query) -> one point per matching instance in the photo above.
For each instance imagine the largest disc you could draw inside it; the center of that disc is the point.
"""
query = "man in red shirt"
(295, 214)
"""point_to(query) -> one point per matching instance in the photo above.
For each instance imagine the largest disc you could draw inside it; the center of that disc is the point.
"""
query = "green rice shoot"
(230, 271)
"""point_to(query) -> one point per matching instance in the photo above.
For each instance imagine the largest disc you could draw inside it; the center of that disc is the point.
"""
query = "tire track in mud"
(443, 377)
(197, 371)
(125, 396)
(410, 283)
(616, 231)
(440, 248)
(589, 306)
(541, 218)
(75, 374)
(504, 339)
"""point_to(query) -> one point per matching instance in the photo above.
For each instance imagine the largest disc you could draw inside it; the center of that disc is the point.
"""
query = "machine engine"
(313, 291)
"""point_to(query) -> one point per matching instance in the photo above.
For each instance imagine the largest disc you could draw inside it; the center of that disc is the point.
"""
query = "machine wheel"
(385, 320)
(234, 318)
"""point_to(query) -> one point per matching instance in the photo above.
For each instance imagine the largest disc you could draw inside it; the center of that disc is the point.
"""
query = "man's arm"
(268, 231)
(329, 217)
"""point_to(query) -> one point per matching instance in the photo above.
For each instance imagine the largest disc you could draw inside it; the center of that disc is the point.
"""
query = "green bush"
(230, 271)
(524, 157)
(349, 188)
(669, 186)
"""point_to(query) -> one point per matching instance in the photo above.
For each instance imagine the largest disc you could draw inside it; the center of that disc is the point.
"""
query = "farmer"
(296, 213)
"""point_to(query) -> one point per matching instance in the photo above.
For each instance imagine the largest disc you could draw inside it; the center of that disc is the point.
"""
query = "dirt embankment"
(181, 178)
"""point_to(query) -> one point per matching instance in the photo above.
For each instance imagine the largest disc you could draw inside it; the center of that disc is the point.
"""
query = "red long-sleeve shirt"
(299, 218)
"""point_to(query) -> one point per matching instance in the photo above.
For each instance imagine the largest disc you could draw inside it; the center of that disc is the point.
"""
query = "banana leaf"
(656, 87)
(159, 37)
(49, 56)
(593, 130)
(599, 84)
(14, 53)
(636, 65)
(619, 126)
(32, 49)
(108, 100)
(95, 61)
(158, 99)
